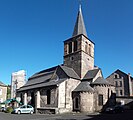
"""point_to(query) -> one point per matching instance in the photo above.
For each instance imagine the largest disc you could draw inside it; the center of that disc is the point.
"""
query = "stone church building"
(75, 85)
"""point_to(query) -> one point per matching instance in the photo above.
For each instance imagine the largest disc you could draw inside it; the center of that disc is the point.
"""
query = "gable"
(92, 75)
(99, 74)
(60, 73)
(70, 72)
(117, 74)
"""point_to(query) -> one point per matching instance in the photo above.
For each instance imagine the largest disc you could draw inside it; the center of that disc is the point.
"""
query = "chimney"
(130, 85)
(129, 74)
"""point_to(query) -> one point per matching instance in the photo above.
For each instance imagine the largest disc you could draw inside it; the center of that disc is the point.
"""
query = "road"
(7, 116)
(128, 115)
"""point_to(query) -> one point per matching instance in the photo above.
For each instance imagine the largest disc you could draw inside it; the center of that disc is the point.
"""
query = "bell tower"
(79, 49)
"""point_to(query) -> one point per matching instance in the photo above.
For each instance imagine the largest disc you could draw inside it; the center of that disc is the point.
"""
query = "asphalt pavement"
(127, 115)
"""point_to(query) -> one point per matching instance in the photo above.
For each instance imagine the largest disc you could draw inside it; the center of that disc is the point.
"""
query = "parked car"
(3, 109)
(115, 109)
(24, 109)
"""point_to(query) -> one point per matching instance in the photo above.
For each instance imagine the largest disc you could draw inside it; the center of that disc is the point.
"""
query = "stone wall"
(87, 56)
(65, 103)
(61, 95)
(53, 97)
(86, 102)
(106, 91)
(74, 61)
(71, 84)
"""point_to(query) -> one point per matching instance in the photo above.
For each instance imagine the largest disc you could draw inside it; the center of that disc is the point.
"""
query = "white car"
(24, 109)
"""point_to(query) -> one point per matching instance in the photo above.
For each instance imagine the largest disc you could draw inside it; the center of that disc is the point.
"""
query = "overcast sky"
(32, 34)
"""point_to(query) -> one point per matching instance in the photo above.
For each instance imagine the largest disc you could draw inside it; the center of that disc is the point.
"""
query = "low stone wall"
(47, 110)
(126, 101)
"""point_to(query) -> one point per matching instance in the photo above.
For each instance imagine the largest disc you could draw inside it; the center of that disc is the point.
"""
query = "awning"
(10, 101)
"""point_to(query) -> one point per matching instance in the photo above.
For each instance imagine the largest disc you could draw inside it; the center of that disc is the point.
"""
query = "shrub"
(9, 109)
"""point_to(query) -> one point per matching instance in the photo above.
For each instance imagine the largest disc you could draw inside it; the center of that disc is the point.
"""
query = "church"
(74, 86)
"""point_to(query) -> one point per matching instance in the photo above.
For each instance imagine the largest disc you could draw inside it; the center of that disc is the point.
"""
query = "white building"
(18, 79)
(3, 92)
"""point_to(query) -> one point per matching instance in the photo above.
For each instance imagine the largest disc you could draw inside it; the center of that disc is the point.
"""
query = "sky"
(32, 34)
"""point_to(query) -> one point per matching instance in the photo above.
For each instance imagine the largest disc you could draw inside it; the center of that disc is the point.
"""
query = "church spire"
(79, 25)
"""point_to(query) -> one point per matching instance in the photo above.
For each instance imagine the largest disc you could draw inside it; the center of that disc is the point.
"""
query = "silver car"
(24, 109)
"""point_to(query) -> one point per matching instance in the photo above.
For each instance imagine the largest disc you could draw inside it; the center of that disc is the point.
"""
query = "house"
(3, 92)
(75, 85)
(123, 83)
(123, 86)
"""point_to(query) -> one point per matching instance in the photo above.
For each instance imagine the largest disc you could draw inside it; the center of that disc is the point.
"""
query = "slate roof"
(91, 74)
(79, 25)
(44, 78)
(2, 84)
(120, 73)
(84, 87)
(70, 72)
(43, 72)
(100, 81)
(40, 85)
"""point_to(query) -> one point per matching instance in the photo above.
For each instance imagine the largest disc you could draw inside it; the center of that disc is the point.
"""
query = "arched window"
(75, 46)
(100, 99)
(89, 49)
(76, 102)
(116, 76)
(33, 99)
(48, 96)
(21, 98)
(86, 47)
(70, 47)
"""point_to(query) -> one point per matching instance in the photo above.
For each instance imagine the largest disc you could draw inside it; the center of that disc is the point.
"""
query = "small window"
(75, 46)
(70, 47)
(116, 84)
(121, 92)
(71, 58)
(117, 92)
(120, 83)
(116, 76)
(100, 99)
(89, 49)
